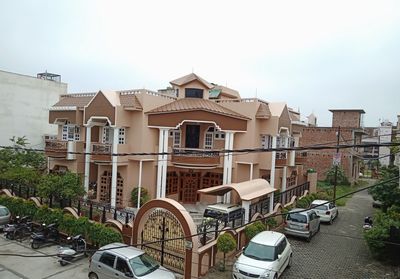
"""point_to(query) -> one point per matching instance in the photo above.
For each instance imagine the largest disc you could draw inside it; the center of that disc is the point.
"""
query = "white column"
(251, 171)
(283, 188)
(162, 163)
(271, 202)
(87, 158)
(114, 167)
(246, 206)
(139, 183)
(273, 158)
(228, 161)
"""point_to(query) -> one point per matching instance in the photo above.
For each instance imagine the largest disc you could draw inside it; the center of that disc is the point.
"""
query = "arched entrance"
(160, 228)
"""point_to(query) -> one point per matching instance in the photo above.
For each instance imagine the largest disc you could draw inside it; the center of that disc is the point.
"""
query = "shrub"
(341, 177)
(251, 230)
(303, 203)
(226, 243)
(271, 222)
(144, 196)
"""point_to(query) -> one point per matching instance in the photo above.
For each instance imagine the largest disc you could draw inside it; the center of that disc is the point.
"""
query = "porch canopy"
(247, 192)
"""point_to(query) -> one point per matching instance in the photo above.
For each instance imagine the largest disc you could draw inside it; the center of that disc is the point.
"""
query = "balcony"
(281, 159)
(101, 152)
(195, 157)
(63, 149)
(301, 157)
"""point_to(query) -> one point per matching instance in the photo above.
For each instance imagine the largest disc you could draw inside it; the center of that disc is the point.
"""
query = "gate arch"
(167, 218)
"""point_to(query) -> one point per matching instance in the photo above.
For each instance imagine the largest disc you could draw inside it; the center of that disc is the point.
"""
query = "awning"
(247, 191)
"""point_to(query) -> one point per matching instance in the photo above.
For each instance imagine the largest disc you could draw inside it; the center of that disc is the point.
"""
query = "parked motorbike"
(75, 250)
(368, 223)
(48, 234)
(17, 227)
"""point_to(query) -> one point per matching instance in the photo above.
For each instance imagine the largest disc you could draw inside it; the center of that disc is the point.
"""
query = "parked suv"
(117, 260)
(302, 223)
(326, 210)
(224, 211)
(266, 256)
(4, 216)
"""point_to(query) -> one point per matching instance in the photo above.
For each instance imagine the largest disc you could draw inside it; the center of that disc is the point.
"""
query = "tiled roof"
(228, 91)
(263, 111)
(191, 77)
(76, 100)
(191, 104)
(130, 101)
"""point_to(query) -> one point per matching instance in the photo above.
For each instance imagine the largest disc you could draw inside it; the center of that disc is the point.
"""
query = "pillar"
(273, 155)
(228, 161)
(114, 167)
(246, 206)
(87, 157)
(162, 163)
(271, 202)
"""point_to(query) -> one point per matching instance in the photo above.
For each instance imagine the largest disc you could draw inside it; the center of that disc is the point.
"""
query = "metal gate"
(161, 225)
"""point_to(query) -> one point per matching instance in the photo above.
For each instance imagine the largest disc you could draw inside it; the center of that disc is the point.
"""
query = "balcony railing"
(63, 149)
(101, 152)
(195, 157)
(281, 158)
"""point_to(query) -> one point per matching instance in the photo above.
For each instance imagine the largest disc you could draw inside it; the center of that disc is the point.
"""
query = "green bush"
(97, 234)
(341, 177)
(303, 203)
(144, 196)
(271, 222)
(226, 243)
(251, 230)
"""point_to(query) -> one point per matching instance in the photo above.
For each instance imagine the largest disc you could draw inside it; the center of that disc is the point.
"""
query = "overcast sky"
(314, 55)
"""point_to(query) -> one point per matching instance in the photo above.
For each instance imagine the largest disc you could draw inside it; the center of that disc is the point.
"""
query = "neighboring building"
(376, 135)
(187, 118)
(25, 102)
(350, 122)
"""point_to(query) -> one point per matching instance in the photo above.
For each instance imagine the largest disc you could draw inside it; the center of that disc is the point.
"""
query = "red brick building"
(351, 130)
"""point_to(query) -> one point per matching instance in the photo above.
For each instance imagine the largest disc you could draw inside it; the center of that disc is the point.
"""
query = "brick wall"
(346, 119)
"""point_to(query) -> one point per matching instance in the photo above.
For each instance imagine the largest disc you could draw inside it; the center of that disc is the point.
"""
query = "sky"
(313, 55)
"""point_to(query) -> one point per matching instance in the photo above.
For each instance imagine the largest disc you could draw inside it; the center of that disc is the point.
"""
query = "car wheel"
(319, 227)
(35, 245)
(276, 276)
(63, 263)
(290, 261)
(331, 221)
(308, 239)
(93, 276)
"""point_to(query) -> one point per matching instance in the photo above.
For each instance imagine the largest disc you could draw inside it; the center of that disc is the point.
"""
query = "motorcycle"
(72, 252)
(17, 227)
(48, 234)
(368, 224)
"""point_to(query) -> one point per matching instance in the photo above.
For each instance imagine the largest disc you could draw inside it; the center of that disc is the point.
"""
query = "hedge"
(97, 234)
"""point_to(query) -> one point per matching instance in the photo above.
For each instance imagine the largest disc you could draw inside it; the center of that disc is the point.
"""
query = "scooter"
(48, 234)
(368, 224)
(11, 230)
(76, 250)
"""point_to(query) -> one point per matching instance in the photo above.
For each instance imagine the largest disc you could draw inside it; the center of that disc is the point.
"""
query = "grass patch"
(327, 188)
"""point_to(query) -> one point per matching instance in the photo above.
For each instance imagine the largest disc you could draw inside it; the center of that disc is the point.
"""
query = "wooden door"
(192, 136)
(190, 182)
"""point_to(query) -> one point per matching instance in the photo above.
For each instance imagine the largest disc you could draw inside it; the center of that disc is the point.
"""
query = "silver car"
(302, 223)
(4, 216)
(117, 260)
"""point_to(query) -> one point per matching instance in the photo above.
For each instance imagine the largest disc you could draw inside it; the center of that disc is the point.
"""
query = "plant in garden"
(271, 222)
(226, 243)
(251, 230)
(144, 196)
(341, 176)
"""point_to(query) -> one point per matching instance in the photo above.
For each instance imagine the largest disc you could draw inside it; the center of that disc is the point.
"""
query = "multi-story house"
(188, 125)
(350, 124)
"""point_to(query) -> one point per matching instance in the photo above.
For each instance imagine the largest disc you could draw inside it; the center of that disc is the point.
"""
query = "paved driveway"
(36, 268)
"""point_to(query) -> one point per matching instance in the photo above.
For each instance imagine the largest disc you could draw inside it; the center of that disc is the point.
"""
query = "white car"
(326, 210)
(265, 257)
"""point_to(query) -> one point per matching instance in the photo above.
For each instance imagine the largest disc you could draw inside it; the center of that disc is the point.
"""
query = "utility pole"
(336, 162)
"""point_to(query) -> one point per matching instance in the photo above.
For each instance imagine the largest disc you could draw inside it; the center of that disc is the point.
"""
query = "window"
(208, 139)
(281, 141)
(122, 266)
(107, 135)
(107, 259)
(71, 133)
(143, 265)
(260, 252)
(193, 93)
(266, 141)
(121, 136)
(176, 138)
(219, 135)
(291, 142)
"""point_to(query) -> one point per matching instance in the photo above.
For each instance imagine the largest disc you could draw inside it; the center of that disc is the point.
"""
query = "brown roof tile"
(74, 100)
(130, 101)
(191, 77)
(263, 111)
(190, 104)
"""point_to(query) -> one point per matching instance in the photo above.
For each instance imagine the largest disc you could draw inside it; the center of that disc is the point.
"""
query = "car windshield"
(260, 252)
(143, 265)
(297, 217)
(321, 207)
(4, 211)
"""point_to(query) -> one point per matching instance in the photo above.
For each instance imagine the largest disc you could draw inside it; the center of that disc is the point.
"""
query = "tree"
(61, 186)
(253, 229)
(341, 176)
(226, 243)
(389, 192)
(144, 196)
